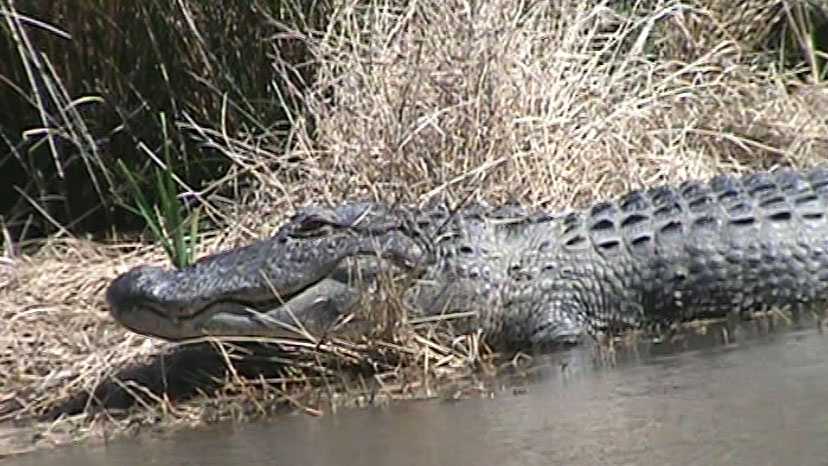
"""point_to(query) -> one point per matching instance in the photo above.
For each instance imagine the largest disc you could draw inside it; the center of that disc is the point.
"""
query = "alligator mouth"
(310, 311)
(221, 318)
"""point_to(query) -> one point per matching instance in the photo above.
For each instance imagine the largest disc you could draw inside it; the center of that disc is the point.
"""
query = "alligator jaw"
(219, 319)
(318, 309)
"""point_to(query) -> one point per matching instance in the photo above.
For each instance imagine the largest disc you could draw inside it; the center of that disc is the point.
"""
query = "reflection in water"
(764, 401)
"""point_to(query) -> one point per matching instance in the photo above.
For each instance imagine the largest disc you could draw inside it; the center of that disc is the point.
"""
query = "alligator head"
(299, 278)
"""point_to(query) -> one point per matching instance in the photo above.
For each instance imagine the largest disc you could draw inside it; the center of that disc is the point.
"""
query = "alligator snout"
(134, 288)
(137, 301)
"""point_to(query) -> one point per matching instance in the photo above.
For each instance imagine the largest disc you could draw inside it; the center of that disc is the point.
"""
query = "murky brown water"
(763, 401)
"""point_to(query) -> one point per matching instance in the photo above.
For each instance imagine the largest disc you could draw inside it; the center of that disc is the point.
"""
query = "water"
(761, 402)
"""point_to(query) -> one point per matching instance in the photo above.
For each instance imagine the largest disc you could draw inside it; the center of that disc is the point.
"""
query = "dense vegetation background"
(97, 95)
(88, 85)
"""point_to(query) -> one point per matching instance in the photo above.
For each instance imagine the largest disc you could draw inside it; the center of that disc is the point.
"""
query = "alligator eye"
(311, 227)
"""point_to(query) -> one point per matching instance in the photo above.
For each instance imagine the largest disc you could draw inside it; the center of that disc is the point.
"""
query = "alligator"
(650, 259)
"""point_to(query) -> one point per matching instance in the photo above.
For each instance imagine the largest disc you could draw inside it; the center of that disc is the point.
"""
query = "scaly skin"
(658, 256)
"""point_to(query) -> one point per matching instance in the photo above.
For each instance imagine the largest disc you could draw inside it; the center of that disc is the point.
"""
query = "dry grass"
(416, 101)
(444, 98)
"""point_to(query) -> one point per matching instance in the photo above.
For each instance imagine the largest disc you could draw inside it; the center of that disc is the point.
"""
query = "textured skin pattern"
(652, 257)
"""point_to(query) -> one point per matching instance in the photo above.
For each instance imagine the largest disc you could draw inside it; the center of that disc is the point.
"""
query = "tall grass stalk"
(177, 232)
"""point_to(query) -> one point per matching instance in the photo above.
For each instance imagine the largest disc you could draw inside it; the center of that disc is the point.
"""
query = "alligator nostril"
(466, 249)
(132, 287)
